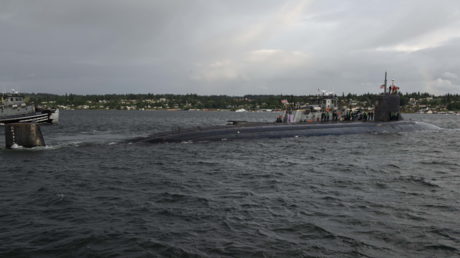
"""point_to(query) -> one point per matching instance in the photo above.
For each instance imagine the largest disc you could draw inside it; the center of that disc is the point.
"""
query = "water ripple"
(384, 195)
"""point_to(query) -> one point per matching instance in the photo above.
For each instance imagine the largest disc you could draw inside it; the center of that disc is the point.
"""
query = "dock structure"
(27, 135)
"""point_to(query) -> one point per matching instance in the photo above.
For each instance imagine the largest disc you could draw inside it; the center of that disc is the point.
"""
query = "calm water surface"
(88, 195)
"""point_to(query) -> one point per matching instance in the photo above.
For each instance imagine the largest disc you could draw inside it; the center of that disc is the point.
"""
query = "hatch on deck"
(232, 122)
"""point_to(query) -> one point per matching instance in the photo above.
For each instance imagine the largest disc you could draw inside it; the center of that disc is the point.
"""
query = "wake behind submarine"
(300, 122)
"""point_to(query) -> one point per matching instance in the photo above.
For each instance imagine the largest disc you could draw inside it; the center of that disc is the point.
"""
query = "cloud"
(430, 39)
(441, 87)
(450, 75)
(224, 70)
(442, 83)
(276, 57)
(253, 65)
(226, 47)
(257, 30)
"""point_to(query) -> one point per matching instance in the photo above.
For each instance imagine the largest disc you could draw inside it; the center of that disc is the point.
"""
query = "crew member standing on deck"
(322, 116)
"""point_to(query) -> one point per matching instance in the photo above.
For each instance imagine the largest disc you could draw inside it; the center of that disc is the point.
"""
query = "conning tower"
(385, 104)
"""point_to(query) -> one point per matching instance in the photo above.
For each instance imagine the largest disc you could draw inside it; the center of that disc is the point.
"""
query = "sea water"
(89, 193)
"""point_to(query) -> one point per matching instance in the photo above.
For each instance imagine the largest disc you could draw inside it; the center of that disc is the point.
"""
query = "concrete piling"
(23, 134)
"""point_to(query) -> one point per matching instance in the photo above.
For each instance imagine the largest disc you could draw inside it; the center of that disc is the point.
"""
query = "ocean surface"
(90, 194)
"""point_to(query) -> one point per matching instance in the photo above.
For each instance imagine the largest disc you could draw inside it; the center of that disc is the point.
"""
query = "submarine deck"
(242, 130)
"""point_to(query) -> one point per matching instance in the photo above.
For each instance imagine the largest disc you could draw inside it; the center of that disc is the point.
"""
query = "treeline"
(113, 101)
(143, 100)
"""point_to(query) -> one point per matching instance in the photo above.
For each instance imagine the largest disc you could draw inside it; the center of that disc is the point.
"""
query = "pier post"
(23, 134)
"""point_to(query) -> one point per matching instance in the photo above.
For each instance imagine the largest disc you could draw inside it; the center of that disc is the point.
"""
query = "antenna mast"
(385, 82)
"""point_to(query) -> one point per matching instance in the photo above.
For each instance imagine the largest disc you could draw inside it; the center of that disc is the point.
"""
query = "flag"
(382, 86)
(284, 101)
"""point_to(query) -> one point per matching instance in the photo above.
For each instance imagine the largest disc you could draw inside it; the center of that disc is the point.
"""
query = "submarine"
(298, 121)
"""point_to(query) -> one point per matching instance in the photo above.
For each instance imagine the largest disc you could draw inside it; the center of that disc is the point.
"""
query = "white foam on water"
(16, 146)
(61, 196)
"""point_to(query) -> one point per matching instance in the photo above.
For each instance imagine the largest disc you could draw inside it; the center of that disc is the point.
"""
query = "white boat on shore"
(240, 110)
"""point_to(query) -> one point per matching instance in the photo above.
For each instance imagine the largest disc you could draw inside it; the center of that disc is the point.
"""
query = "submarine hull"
(386, 107)
(250, 131)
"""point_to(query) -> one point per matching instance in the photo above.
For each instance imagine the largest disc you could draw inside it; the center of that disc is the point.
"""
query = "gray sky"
(229, 47)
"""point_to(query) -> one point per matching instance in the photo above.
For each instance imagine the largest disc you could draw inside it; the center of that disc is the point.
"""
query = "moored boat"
(14, 109)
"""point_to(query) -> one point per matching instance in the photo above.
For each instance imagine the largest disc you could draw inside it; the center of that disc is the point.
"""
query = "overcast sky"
(229, 47)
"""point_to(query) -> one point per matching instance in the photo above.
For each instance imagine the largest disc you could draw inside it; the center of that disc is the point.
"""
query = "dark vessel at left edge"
(14, 109)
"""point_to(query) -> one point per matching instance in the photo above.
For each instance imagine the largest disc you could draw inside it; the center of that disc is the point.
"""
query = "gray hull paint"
(270, 131)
